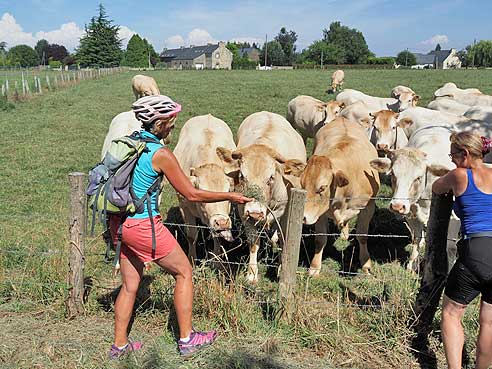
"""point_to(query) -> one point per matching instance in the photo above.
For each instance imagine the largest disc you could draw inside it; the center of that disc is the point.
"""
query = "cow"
(196, 152)
(479, 113)
(337, 79)
(122, 124)
(447, 105)
(144, 86)
(268, 151)
(358, 112)
(387, 131)
(340, 185)
(398, 90)
(413, 170)
(404, 100)
(307, 114)
(470, 96)
(417, 117)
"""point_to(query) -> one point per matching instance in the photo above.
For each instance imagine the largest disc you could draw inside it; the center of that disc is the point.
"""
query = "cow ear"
(438, 170)
(405, 122)
(321, 107)
(294, 167)
(382, 165)
(279, 158)
(227, 157)
(341, 105)
(416, 98)
(341, 179)
(365, 122)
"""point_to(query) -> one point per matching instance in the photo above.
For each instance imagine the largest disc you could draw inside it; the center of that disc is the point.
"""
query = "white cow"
(413, 169)
(358, 112)
(196, 151)
(307, 114)
(470, 96)
(404, 101)
(337, 79)
(144, 86)
(447, 105)
(398, 90)
(268, 151)
(479, 113)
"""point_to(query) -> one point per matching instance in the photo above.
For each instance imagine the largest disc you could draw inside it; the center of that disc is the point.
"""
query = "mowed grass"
(357, 322)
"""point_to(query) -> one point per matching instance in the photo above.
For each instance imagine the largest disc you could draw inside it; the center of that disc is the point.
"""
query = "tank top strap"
(471, 182)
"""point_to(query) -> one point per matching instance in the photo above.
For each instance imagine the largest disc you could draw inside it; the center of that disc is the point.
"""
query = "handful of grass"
(253, 191)
(341, 244)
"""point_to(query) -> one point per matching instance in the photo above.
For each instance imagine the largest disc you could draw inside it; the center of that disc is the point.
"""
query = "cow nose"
(222, 223)
(398, 207)
(382, 146)
(256, 215)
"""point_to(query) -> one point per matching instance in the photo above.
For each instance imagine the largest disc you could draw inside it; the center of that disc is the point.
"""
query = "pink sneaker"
(116, 353)
(198, 340)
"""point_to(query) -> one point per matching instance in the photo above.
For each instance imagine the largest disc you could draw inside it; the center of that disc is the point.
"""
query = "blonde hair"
(469, 141)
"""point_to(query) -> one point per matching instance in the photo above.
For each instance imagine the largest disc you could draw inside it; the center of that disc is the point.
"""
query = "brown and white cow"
(196, 151)
(268, 151)
(307, 114)
(387, 131)
(413, 170)
(340, 185)
(404, 101)
(337, 79)
(144, 86)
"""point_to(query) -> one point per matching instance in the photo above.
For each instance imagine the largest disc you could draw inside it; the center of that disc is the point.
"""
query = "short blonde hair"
(468, 141)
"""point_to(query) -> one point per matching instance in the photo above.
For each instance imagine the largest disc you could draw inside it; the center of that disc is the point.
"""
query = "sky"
(389, 26)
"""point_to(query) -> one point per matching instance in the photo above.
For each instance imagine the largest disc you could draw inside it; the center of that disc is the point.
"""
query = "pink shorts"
(137, 238)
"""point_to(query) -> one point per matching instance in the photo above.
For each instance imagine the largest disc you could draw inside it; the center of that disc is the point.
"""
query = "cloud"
(437, 39)
(196, 37)
(125, 34)
(67, 35)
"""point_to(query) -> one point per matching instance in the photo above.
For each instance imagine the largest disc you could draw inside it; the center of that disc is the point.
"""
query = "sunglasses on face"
(453, 154)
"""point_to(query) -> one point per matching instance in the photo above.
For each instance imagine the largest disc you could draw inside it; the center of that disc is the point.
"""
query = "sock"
(122, 347)
(185, 340)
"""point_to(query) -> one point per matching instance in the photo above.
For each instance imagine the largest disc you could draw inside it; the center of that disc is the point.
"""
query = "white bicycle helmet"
(150, 108)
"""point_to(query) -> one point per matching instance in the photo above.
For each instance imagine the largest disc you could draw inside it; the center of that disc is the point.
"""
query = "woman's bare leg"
(484, 342)
(452, 331)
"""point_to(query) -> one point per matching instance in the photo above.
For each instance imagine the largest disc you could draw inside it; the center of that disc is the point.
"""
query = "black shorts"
(471, 275)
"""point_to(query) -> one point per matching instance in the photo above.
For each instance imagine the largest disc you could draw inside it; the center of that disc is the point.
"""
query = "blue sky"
(389, 26)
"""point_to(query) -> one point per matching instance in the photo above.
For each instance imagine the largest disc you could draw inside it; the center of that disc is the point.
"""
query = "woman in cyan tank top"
(471, 184)
(157, 115)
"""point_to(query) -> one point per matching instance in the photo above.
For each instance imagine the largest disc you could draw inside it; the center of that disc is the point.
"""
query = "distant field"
(51, 135)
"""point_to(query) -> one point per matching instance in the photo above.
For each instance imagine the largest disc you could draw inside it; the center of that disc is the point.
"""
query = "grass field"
(341, 322)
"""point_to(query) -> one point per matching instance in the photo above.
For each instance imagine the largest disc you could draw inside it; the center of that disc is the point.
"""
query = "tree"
(350, 40)
(23, 55)
(41, 48)
(438, 47)
(406, 58)
(287, 41)
(320, 52)
(479, 54)
(56, 52)
(275, 53)
(3, 47)
(100, 46)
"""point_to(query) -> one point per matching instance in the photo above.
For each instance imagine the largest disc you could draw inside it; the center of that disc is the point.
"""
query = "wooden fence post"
(77, 227)
(48, 82)
(436, 265)
(290, 253)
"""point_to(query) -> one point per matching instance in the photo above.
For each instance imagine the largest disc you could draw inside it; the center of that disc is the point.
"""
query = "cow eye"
(419, 179)
(394, 128)
(271, 179)
(321, 190)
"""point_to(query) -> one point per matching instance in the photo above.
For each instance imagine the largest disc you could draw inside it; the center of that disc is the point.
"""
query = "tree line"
(100, 46)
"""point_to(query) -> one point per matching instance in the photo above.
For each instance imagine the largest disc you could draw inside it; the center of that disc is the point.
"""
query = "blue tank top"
(473, 208)
(144, 175)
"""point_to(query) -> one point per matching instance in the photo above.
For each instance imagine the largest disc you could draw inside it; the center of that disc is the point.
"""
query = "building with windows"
(438, 59)
(210, 56)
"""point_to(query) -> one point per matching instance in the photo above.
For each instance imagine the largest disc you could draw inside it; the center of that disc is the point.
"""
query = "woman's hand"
(239, 198)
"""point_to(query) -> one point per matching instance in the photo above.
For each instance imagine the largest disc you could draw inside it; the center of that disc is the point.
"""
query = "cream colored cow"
(469, 96)
(307, 114)
(340, 185)
(337, 79)
(196, 151)
(398, 90)
(268, 151)
(404, 100)
(144, 86)
(448, 105)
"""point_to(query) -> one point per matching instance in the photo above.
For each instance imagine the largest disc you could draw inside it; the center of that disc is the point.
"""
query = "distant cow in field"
(144, 86)
(196, 152)
(337, 80)
(268, 151)
(307, 114)
(340, 185)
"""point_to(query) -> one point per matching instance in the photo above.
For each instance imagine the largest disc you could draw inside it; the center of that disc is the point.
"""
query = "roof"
(189, 53)
(441, 55)
(423, 59)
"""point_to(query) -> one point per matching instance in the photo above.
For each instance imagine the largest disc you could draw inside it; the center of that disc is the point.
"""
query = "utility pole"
(149, 60)
(406, 58)
(266, 49)
(321, 59)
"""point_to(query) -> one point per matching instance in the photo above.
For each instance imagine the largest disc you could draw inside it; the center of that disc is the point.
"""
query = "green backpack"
(110, 187)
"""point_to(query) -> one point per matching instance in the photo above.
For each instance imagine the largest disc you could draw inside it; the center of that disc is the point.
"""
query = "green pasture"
(341, 321)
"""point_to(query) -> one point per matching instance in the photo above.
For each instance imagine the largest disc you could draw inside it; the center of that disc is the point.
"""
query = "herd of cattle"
(356, 137)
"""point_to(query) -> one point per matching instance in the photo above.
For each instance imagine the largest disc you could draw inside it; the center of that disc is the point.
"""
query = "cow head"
(321, 182)
(407, 100)
(330, 110)
(386, 129)
(259, 171)
(211, 177)
(410, 175)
